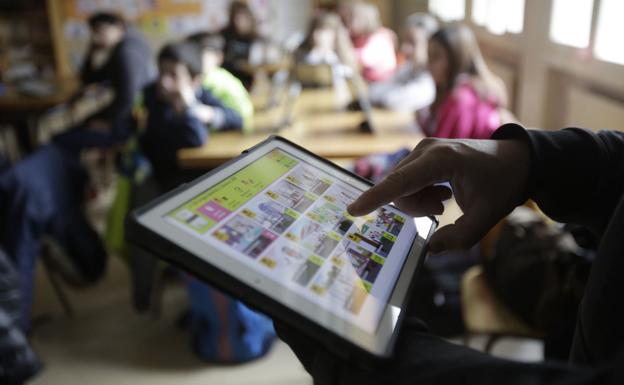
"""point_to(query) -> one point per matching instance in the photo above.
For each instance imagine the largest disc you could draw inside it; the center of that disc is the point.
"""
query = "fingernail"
(352, 209)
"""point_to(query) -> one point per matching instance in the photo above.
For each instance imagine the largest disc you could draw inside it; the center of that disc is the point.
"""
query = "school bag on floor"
(223, 329)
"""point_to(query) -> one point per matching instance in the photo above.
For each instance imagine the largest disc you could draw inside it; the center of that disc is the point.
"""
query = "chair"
(484, 314)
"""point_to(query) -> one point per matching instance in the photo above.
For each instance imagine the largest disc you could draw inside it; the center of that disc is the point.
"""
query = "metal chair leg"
(57, 287)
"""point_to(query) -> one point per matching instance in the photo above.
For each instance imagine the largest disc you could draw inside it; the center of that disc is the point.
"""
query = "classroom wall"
(403, 8)
(554, 86)
(161, 21)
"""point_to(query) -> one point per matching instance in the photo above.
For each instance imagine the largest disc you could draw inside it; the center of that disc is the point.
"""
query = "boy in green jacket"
(221, 83)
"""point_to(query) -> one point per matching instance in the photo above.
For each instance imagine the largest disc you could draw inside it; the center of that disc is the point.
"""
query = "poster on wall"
(184, 15)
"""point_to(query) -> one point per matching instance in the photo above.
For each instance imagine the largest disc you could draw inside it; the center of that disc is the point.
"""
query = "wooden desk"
(14, 102)
(317, 126)
(21, 112)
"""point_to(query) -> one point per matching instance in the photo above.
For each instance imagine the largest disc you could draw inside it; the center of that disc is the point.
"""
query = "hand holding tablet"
(272, 228)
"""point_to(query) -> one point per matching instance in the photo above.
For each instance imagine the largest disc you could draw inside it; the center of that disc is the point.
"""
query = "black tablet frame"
(155, 244)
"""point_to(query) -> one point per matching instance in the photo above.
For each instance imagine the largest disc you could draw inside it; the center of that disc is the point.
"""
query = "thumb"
(462, 235)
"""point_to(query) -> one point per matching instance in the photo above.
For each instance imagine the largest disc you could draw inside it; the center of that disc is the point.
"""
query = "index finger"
(406, 180)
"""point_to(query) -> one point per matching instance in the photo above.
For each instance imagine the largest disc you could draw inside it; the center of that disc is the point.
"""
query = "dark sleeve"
(192, 131)
(87, 74)
(424, 359)
(577, 176)
(127, 75)
(225, 118)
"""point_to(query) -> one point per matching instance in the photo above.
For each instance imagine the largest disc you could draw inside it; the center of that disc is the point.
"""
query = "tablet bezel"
(147, 230)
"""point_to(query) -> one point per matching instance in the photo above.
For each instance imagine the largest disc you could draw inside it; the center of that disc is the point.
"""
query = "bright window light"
(609, 32)
(498, 16)
(570, 22)
(448, 10)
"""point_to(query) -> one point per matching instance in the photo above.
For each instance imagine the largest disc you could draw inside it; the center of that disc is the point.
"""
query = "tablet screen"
(287, 219)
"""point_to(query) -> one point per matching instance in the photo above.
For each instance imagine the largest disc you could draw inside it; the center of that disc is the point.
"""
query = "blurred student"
(240, 35)
(412, 87)
(374, 44)
(179, 112)
(469, 97)
(120, 58)
(328, 43)
(469, 101)
(220, 82)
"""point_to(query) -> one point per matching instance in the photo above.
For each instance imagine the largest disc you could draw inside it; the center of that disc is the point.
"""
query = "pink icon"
(214, 211)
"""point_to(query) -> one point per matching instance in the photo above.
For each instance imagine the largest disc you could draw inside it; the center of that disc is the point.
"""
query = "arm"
(577, 176)
(126, 83)
(217, 116)
(191, 129)
(574, 175)
(87, 75)
(424, 359)
(417, 93)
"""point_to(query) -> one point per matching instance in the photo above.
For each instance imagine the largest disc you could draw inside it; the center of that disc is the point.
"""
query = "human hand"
(489, 178)
(183, 96)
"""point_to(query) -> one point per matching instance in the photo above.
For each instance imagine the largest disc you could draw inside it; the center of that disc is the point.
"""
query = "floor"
(106, 342)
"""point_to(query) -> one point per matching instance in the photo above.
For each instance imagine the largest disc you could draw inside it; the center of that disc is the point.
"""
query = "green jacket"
(231, 92)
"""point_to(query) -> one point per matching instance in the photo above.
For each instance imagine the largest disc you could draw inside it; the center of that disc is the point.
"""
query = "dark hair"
(237, 7)
(343, 44)
(105, 18)
(208, 41)
(186, 53)
(464, 57)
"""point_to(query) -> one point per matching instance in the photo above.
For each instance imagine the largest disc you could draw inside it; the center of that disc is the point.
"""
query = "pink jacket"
(376, 55)
(462, 114)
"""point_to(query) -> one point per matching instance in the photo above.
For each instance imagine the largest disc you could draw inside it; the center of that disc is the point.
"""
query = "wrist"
(522, 151)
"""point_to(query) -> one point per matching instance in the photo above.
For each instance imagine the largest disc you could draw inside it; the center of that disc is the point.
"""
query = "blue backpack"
(223, 329)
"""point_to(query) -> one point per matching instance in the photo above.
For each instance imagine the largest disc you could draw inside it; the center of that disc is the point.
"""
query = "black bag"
(436, 297)
(539, 272)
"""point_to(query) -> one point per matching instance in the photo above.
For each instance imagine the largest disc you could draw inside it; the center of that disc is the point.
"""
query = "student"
(179, 111)
(411, 88)
(240, 35)
(374, 44)
(328, 43)
(575, 176)
(119, 57)
(468, 103)
(219, 81)
(468, 95)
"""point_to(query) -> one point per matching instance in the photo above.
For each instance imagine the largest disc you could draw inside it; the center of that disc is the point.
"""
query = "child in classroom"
(118, 57)
(219, 81)
(179, 112)
(411, 87)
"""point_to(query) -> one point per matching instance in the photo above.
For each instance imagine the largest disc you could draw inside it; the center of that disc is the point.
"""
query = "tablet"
(271, 228)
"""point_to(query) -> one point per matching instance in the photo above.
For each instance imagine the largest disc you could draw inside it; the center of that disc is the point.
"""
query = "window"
(609, 32)
(448, 10)
(499, 16)
(570, 22)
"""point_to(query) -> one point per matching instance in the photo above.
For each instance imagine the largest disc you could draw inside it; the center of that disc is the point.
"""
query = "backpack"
(539, 272)
(223, 329)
